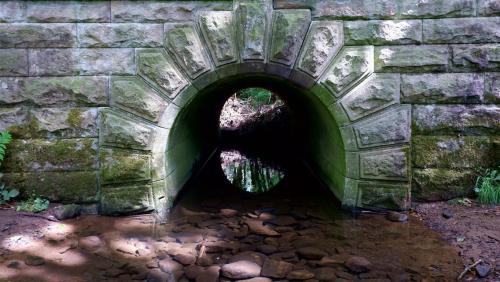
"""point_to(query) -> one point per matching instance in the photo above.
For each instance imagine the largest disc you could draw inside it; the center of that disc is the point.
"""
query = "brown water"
(293, 231)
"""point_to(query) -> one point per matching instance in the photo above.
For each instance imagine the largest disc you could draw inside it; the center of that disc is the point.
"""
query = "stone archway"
(144, 159)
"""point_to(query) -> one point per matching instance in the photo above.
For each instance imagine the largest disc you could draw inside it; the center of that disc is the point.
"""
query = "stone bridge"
(116, 103)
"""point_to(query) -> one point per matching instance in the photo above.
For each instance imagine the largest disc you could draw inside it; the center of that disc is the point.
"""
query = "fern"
(5, 139)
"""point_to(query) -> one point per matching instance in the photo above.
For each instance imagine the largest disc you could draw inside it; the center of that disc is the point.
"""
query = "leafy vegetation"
(5, 139)
(257, 97)
(34, 203)
(488, 187)
(7, 195)
(466, 202)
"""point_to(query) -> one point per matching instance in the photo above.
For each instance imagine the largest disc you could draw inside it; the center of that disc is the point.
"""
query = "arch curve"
(358, 141)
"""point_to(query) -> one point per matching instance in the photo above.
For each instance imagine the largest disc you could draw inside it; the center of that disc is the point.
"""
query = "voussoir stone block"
(252, 29)
(476, 57)
(378, 32)
(455, 119)
(183, 43)
(442, 88)
(436, 8)
(492, 88)
(382, 195)
(13, 62)
(289, 28)
(59, 12)
(120, 35)
(52, 91)
(30, 35)
(135, 96)
(323, 41)
(388, 164)
(158, 68)
(488, 8)
(423, 58)
(128, 199)
(350, 66)
(120, 166)
(219, 31)
(122, 132)
(468, 30)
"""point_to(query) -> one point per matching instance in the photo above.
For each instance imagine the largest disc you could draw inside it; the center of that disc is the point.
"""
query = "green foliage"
(257, 97)
(488, 187)
(5, 139)
(6, 195)
(33, 204)
(466, 202)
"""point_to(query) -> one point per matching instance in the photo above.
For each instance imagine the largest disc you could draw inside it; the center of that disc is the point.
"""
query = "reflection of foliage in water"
(252, 175)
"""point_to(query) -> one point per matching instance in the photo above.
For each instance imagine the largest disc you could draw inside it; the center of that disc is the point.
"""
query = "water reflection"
(250, 174)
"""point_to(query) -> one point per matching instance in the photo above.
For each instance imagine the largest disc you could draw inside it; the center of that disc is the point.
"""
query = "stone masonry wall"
(59, 63)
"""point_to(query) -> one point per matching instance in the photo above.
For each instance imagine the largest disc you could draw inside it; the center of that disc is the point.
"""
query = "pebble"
(34, 261)
(358, 264)
(447, 213)
(276, 268)
(66, 211)
(258, 227)
(300, 274)
(483, 270)
(241, 269)
(311, 253)
(397, 216)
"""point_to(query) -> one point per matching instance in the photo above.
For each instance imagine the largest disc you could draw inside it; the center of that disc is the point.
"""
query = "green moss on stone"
(434, 184)
(75, 117)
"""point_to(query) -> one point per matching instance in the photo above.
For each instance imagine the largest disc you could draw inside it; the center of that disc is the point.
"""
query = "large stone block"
(121, 166)
(468, 30)
(54, 91)
(159, 69)
(387, 164)
(127, 200)
(437, 8)
(135, 96)
(383, 32)
(218, 29)
(183, 43)
(488, 8)
(289, 28)
(323, 41)
(61, 12)
(61, 123)
(375, 195)
(120, 35)
(116, 61)
(442, 88)
(455, 152)
(350, 66)
(13, 62)
(437, 184)
(492, 88)
(252, 30)
(27, 35)
(12, 11)
(476, 57)
(169, 11)
(411, 58)
(455, 119)
(65, 187)
(123, 132)
(15, 120)
(53, 62)
(48, 155)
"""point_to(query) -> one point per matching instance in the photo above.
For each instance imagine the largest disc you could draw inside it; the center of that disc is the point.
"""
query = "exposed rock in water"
(397, 216)
(447, 213)
(358, 264)
(34, 261)
(241, 269)
(66, 211)
(276, 268)
(483, 270)
(90, 243)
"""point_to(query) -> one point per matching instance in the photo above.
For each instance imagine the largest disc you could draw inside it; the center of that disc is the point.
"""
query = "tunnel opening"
(307, 144)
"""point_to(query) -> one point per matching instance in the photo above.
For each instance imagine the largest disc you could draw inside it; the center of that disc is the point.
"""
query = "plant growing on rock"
(5, 194)
(488, 187)
(34, 203)
(5, 139)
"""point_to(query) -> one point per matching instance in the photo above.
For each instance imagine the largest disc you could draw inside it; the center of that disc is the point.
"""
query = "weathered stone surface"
(122, 132)
(51, 91)
(65, 187)
(53, 62)
(442, 88)
(185, 46)
(126, 200)
(384, 164)
(241, 269)
(15, 120)
(381, 195)
(133, 95)
(59, 12)
(391, 127)
(62, 123)
(12, 11)
(411, 58)
(289, 29)
(117, 61)
(276, 268)
(218, 29)
(119, 166)
(26, 35)
(468, 30)
(120, 35)
(455, 119)
(254, 24)
(492, 88)
(350, 66)
(438, 8)
(47, 155)
(374, 94)
(455, 152)
(133, 11)
(476, 57)
(438, 184)
(488, 8)
(383, 32)
(13, 62)
(157, 68)
(323, 41)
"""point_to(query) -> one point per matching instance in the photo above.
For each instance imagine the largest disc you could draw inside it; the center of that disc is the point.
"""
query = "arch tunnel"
(354, 133)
